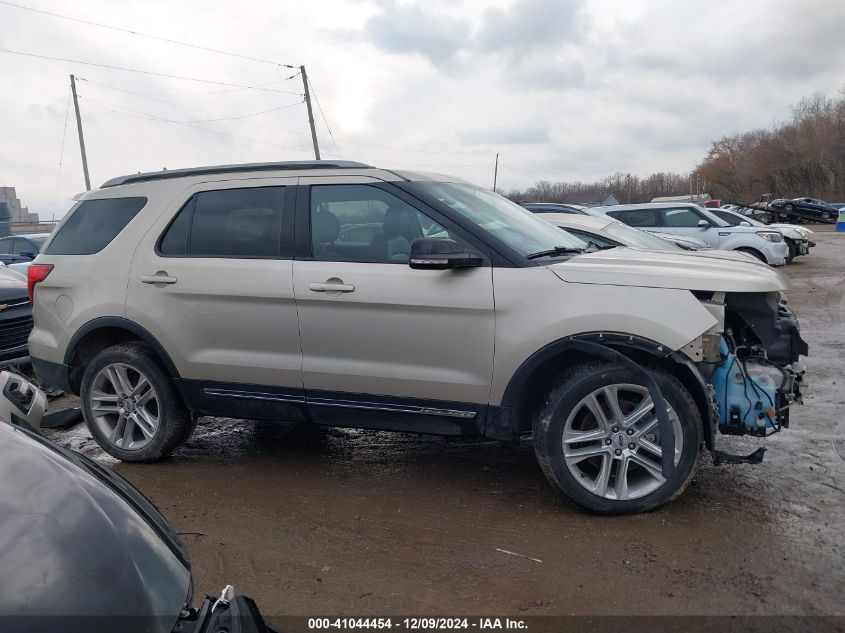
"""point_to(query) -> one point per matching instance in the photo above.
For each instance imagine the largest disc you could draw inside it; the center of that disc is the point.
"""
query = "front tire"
(597, 441)
(131, 406)
(755, 253)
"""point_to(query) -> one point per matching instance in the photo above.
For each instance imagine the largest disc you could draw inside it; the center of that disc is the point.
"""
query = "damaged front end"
(751, 360)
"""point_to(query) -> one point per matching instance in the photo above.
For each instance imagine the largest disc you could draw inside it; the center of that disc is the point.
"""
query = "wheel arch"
(104, 332)
(513, 416)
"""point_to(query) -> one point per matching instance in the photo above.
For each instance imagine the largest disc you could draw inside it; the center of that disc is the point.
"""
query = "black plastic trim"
(130, 326)
(251, 402)
(393, 413)
(50, 373)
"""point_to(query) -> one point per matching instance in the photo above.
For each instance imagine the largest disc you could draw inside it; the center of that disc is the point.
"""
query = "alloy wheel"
(611, 442)
(125, 406)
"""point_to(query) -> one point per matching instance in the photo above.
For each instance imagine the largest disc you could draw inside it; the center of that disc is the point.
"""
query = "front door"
(684, 221)
(384, 345)
(212, 282)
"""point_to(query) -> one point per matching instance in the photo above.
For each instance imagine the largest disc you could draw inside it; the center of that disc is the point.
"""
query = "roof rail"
(231, 169)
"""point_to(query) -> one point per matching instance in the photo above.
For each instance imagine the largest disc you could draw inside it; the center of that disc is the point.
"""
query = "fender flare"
(139, 331)
(607, 345)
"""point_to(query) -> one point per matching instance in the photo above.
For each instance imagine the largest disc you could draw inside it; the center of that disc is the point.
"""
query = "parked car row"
(718, 228)
(338, 293)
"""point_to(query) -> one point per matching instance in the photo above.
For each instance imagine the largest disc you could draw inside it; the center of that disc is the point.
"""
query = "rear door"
(212, 282)
(384, 345)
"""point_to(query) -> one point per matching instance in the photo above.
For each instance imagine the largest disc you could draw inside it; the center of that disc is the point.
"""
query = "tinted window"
(6, 246)
(680, 218)
(727, 217)
(230, 223)
(636, 217)
(93, 225)
(175, 239)
(359, 223)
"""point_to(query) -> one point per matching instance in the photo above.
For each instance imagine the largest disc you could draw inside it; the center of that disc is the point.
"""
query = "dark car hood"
(12, 285)
(77, 540)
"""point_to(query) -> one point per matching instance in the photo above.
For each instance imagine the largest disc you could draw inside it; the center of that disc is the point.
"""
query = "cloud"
(531, 24)
(409, 28)
(518, 134)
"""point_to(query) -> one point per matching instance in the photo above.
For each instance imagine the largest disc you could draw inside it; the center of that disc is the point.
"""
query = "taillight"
(34, 274)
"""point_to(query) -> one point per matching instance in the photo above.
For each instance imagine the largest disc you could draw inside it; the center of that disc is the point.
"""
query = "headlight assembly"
(772, 236)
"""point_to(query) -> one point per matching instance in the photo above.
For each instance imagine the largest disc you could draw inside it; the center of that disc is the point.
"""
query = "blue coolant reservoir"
(746, 394)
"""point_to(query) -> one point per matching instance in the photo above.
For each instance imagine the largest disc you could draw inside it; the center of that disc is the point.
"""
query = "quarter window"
(93, 225)
(360, 223)
(230, 223)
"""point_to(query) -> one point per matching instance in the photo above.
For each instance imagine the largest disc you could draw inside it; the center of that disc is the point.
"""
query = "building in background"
(14, 218)
(17, 213)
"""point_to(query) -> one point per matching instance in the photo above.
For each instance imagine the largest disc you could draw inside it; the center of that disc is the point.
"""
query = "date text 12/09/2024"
(416, 624)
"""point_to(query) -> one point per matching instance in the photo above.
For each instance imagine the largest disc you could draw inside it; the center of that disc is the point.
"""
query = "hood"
(717, 271)
(743, 229)
(791, 227)
(12, 285)
(78, 540)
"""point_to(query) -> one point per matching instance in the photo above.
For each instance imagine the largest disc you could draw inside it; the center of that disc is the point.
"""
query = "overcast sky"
(562, 89)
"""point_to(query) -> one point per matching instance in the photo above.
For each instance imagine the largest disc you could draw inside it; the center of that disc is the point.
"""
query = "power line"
(62, 150)
(146, 72)
(147, 35)
(535, 168)
(187, 94)
(195, 109)
(143, 115)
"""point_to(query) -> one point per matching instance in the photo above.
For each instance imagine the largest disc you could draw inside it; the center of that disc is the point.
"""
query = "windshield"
(517, 227)
(715, 220)
(750, 220)
(630, 236)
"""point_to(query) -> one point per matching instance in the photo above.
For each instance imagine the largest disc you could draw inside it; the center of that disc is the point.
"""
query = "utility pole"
(310, 113)
(79, 129)
(495, 173)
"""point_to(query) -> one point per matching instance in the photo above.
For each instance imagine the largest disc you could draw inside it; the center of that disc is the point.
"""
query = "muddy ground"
(328, 521)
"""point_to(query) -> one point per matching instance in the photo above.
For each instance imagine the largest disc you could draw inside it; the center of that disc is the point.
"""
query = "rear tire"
(131, 406)
(586, 468)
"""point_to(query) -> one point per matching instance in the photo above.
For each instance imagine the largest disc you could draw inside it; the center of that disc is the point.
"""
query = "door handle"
(331, 287)
(158, 278)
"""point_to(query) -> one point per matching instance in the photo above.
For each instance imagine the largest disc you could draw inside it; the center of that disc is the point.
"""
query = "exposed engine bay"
(753, 364)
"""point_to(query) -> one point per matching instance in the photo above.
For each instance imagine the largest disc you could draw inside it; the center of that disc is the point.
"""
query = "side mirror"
(437, 253)
(745, 223)
(703, 224)
(29, 254)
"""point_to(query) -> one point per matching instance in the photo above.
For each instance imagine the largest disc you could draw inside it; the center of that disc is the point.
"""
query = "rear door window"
(231, 223)
(6, 246)
(637, 217)
(93, 225)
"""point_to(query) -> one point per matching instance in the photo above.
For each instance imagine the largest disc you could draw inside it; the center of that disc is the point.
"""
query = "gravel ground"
(336, 521)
